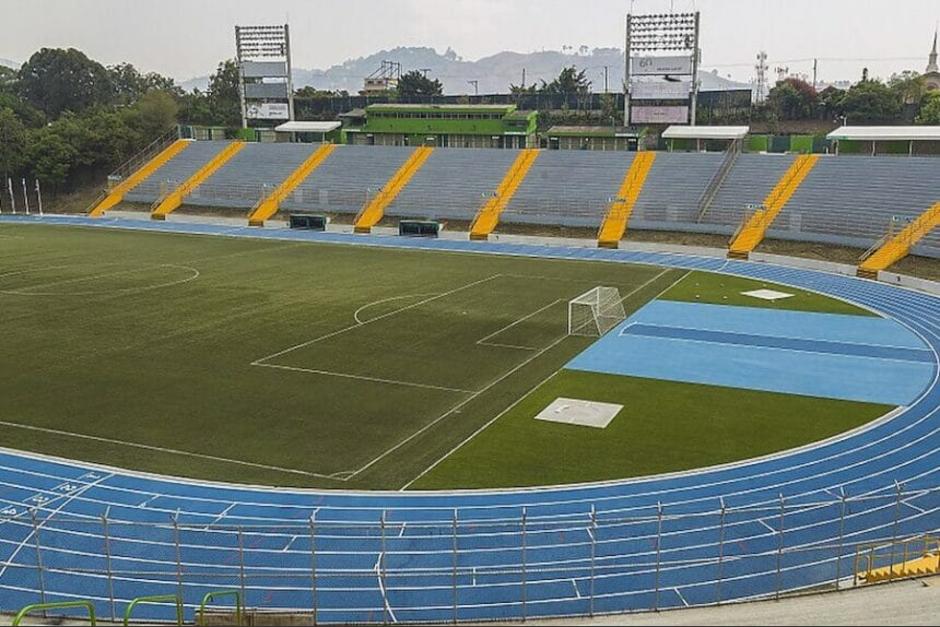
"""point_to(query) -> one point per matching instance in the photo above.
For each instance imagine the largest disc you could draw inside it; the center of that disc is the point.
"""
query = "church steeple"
(932, 62)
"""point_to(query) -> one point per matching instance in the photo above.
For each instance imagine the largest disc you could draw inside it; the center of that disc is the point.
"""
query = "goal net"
(595, 312)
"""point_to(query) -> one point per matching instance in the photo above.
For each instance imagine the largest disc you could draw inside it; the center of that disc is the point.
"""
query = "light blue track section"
(693, 350)
(420, 580)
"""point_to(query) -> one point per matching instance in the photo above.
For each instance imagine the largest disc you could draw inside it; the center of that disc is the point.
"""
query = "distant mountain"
(494, 74)
(10, 64)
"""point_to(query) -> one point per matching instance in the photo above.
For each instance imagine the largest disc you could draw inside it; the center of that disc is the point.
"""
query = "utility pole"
(815, 65)
(425, 71)
(523, 78)
(761, 68)
(606, 89)
(476, 87)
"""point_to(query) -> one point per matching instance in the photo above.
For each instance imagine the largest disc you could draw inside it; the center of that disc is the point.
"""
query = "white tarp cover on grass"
(571, 411)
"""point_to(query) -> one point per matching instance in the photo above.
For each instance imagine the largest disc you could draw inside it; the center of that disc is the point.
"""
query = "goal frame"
(595, 312)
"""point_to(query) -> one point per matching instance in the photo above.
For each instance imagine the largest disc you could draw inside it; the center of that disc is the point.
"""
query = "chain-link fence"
(440, 565)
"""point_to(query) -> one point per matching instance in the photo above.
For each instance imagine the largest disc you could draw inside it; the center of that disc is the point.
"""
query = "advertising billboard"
(267, 111)
(659, 115)
(659, 66)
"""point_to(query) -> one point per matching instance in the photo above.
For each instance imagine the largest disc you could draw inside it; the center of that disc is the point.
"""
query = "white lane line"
(222, 515)
(345, 375)
(376, 319)
(66, 500)
(159, 449)
(763, 522)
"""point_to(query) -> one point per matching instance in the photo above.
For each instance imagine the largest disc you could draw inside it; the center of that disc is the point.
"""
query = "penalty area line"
(161, 449)
(357, 325)
(345, 375)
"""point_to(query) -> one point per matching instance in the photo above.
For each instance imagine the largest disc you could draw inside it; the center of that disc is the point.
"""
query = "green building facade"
(445, 126)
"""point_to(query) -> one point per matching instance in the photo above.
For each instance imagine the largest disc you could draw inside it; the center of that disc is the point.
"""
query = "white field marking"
(576, 591)
(387, 300)
(371, 320)
(537, 385)
(67, 498)
(344, 375)
(194, 274)
(681, 598)
(289, 543)
(483, 340)
(401, 533)
(160, 449)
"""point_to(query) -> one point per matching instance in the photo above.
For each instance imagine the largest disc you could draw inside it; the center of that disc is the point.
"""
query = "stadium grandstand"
(858, 198)
(425, 364)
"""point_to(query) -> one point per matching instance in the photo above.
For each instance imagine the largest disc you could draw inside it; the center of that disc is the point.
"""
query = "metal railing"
(437, 565)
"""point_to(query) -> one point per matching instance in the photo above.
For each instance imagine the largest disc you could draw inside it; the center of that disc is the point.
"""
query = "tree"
(51, 158)
(870, 101)
(569, 81)
(830, 102)
(13, 143)
(223, 96)
(908, 86)
(129, 85)
(792, 99)
(415, 85)
(56, 80)
(930, 110)
(155, 113)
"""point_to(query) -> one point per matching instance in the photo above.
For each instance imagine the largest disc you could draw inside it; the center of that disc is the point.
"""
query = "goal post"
(595, 312)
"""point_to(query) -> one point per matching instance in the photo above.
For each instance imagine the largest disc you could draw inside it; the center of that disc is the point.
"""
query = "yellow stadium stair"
(116, 195)
(174, 199)
(925, 562)
(488, 216)
(372, 212)
(893, 249)
(618, 214)
(269, 206)
(755, 227)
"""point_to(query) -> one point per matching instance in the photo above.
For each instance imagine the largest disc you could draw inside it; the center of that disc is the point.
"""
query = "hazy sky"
(185, 38)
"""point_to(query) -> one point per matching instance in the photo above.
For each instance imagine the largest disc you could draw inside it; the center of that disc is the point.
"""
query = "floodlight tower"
(662, 57)
(264, 72)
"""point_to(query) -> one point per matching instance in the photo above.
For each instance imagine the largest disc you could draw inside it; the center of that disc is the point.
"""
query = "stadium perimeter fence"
(441, 565)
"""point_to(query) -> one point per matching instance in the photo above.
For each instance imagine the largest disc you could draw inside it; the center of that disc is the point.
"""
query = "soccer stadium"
(382, 370)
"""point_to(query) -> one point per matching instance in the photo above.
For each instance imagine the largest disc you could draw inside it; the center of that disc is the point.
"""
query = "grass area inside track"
(274, 362)
(339, 366)
(663, 427)
(719, 289)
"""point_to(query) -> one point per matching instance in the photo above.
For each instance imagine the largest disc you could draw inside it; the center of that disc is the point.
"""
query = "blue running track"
(434, 557)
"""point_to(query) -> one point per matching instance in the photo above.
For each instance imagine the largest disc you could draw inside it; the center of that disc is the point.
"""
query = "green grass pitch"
(321, 365)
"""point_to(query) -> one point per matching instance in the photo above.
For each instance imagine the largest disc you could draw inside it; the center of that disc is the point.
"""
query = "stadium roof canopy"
(706, 132)
(886, 133)
(307, 127)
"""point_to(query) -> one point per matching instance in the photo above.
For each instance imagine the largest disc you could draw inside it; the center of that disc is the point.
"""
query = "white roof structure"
(706, 132)
(886, 133)
(307, 127)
